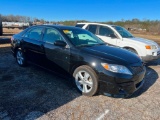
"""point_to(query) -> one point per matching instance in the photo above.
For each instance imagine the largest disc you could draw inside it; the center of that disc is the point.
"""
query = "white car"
(115, 35)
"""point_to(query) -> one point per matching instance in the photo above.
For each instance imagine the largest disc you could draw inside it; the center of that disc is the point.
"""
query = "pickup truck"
(147, 50)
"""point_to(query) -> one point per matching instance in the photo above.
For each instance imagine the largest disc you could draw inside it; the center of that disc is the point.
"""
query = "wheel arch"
(17, 48)
(130, 48)
(137, 49)
(81, 64)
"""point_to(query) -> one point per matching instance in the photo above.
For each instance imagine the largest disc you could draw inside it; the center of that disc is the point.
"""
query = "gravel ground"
(34, 93)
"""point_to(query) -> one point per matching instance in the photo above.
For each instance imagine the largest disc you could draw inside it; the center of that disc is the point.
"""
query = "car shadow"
(150, 78)
(33, 91)
(153, 63)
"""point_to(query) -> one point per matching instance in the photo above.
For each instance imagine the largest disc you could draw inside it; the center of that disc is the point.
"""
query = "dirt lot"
(34, 93)
(11, 30)
(155, 38)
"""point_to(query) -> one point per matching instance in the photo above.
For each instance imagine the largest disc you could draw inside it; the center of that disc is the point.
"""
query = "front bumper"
(152, 57)
(122, 85)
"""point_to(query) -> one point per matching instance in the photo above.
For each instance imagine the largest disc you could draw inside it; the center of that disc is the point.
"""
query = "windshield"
(80, 37)
(123, 32)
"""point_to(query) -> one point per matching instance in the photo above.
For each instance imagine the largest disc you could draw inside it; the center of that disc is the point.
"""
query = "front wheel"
(20, 58)
(86, 80)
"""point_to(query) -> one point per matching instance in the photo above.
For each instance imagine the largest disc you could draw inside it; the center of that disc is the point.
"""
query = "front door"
(57, 54)
(105, 33)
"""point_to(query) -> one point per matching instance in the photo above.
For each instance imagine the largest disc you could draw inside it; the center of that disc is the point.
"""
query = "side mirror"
(112, 35)
(60, 43)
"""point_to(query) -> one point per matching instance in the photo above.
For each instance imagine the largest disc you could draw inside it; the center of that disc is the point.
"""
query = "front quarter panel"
(79, 58)
(139, 47)
(15, 43)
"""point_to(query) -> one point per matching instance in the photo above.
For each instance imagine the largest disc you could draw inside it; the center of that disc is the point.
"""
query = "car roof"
(58, 26)
(98, 24)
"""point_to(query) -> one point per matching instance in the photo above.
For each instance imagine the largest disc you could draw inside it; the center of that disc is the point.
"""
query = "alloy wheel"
(20, 58)
(84, 81)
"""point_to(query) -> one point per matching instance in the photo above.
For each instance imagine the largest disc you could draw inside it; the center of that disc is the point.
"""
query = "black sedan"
(93, 64)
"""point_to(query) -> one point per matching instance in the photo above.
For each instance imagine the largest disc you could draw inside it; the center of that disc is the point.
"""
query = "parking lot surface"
(34, 93)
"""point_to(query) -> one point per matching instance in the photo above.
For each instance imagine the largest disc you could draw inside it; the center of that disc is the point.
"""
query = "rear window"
(80, 25)
(22, 32)
(34, 33)
(105, 31)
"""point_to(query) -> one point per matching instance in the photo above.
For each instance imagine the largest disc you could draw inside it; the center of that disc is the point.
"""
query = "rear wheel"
(86, 80)
(20, 57)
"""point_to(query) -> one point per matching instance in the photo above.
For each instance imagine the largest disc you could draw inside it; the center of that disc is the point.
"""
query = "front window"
(105, 31)
(92, 28)
(80, 37)
(123, 32)
(51, 35)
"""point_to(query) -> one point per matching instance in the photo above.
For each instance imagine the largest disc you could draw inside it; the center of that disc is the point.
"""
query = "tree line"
(152, 26)
(19, 18)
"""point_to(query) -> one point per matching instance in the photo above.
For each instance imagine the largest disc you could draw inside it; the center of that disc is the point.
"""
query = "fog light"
(154, 53)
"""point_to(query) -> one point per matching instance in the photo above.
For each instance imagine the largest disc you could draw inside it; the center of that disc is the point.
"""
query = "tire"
(20, 58)
(86, 80)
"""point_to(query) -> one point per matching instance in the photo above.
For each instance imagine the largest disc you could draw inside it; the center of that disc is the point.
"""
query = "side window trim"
(96, 29)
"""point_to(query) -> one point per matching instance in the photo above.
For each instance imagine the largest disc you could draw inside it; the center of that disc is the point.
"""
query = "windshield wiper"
(87, 45)
(84, 45)
(102, 44)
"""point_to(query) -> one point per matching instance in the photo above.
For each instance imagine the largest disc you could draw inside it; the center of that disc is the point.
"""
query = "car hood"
(142, 40)
(114, 54)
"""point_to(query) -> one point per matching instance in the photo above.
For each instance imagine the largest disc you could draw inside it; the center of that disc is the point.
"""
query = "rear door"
(32, 40)
(57, 54)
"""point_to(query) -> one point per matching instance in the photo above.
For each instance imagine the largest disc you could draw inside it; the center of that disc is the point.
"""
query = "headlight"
(151, 47)
(116, 68)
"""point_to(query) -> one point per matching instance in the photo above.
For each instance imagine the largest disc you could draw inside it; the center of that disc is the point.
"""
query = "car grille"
(158, 53)
(137, 69)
